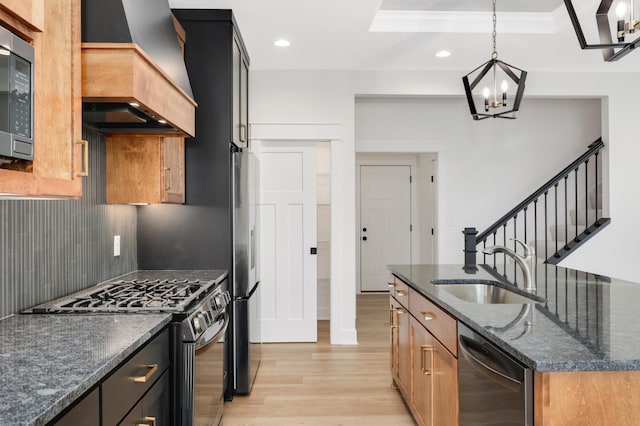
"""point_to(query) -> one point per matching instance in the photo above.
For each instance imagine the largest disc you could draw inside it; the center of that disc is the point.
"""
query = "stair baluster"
(582, 231)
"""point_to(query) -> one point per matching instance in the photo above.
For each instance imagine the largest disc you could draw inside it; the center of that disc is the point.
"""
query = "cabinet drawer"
(400, 291)
(437, 321)
(129, 382)
(153, 409)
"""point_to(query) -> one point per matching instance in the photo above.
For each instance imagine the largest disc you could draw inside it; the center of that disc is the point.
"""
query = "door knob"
(364, 238)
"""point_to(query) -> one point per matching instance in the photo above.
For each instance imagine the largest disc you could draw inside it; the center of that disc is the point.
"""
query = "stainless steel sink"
(484, 293)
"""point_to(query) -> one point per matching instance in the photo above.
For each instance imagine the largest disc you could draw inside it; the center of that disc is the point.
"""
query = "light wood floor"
(321, 384)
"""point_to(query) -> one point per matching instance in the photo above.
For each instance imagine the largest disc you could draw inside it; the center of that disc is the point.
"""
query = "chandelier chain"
(494, 54)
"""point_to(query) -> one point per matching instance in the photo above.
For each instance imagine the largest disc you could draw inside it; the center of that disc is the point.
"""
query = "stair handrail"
(595, 147)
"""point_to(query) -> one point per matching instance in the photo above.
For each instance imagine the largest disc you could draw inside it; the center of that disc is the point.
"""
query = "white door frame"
(389, 159)
(343, 294)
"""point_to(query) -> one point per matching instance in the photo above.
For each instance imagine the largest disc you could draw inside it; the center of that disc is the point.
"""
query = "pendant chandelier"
(624, 10)
(487, 76)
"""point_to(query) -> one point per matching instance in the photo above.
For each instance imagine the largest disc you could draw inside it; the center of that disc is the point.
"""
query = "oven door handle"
(203, 344)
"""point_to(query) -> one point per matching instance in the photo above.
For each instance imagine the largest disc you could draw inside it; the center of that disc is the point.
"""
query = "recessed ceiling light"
(161, 121)
(443, 54)
(282, 42)
(134, 104)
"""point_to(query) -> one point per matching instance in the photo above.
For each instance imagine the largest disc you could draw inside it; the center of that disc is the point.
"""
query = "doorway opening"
(395, 214)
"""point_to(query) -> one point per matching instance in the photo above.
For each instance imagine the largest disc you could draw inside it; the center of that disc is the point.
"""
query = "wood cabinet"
(587, 398)
(424, 361)
(435, 379)
(29, 13)
(145, 169)
(400, 349)
(59, 153)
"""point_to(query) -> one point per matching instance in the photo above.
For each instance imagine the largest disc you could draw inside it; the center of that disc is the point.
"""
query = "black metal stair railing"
(557, 218)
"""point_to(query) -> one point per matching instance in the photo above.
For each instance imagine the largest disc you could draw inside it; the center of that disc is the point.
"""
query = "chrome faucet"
(525, 262)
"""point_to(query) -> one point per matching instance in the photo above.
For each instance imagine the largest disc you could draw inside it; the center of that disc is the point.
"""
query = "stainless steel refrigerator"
(246, 283)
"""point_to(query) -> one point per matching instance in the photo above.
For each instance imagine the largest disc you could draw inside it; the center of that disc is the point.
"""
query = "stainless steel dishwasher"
(494, 388)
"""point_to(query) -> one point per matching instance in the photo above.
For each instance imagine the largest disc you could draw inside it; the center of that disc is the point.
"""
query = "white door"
(385, 223)
(287, 217)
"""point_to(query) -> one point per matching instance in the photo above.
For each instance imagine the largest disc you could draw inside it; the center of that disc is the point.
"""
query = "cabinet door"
(422, 370)
(155, 404)
(404, 350)
(58, 163)
(85, 412)
(173, 170)
(153, 409)
(393, 322)
(145, 169)
(244, 101)
(235, 69)
(400, 351)
(31, 12)
(435, 379)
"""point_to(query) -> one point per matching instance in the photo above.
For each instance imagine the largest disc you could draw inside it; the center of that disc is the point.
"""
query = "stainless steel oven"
(209, 375)
(494, 388)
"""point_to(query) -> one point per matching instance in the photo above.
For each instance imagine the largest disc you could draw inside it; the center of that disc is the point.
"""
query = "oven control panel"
(205, 315)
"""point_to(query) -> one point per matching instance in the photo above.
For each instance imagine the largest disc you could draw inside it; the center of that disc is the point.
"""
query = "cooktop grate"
(139, 295)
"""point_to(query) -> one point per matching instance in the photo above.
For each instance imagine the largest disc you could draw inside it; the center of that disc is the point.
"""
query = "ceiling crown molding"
(420, 21)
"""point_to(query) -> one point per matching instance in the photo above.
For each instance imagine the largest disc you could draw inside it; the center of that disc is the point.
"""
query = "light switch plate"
(116, 245)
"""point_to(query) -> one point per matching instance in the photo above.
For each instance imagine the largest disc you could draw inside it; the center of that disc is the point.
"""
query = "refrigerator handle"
(253, 290)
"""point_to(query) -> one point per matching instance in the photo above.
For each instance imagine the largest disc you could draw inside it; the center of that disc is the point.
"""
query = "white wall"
(323, 183)
(487, 167)
(329, 97)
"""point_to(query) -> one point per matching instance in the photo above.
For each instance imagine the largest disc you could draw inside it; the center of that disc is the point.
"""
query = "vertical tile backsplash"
(49, 248)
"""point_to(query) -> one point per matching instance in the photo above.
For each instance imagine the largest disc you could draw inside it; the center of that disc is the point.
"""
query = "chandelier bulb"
(486, 93)
(504, 86)
(621, 9)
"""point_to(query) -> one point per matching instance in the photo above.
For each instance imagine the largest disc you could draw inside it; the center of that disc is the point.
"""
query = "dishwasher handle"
(491, 373)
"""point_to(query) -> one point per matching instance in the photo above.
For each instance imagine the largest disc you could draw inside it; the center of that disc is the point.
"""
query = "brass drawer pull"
(85, 158)
(423, 359)
(391, 285)
(428, 316)
(151, 420)
(143, 379)
(401, 293)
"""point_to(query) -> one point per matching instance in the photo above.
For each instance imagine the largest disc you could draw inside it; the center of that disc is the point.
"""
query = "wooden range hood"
(131, 54)
(124, 73)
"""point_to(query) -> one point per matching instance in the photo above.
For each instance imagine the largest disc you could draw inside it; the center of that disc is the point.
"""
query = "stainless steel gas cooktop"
(175, 295)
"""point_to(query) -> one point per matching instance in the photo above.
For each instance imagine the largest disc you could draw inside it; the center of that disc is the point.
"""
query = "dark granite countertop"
(49, 361)
(584, 323)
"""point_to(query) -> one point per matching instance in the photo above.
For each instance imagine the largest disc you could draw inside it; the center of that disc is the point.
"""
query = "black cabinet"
(183, 237)
(141, 382)
(133, 379)
(84, 412)
(153, 408)
(244, 101)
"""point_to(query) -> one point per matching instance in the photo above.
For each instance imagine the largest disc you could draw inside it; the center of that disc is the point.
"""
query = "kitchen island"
(581, 339)
(49, 361)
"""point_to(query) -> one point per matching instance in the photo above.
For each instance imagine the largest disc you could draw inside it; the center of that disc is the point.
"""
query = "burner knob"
(198, 323)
